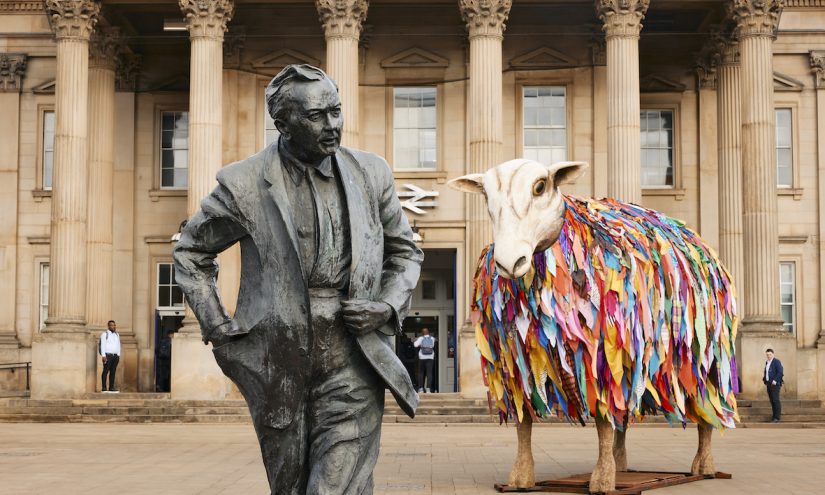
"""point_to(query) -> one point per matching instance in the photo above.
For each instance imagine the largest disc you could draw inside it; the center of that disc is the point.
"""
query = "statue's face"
(313, 124)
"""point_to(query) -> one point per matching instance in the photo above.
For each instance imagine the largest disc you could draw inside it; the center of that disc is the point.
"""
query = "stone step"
(744, 403)
(127, 395)
(761, 411)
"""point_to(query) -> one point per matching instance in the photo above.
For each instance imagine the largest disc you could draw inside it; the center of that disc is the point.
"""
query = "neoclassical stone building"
(116, 116)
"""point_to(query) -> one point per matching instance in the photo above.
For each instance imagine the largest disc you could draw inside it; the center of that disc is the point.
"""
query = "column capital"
(706, 75)
(818, 67)
(233, 45)
(207, 18)
(342, 18)
(127, 69)
(598, 49)
(728, 51)
(104, 45)
(622, 17)
(12, 70)
(72, 19)
(755, 17)
(485, 17)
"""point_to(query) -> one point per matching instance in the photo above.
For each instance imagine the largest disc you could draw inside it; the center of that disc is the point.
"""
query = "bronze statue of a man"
(328, 267)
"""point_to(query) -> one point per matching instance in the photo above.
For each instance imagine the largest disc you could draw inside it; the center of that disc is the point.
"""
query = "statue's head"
(303, 101)
(525, 206)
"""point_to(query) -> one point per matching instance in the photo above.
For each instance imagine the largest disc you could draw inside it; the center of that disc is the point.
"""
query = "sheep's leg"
(619, 450)
(703, 462)
(603, 478)
(523, 475)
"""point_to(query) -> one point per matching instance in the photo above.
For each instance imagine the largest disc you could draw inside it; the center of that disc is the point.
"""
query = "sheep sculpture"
(622, 313)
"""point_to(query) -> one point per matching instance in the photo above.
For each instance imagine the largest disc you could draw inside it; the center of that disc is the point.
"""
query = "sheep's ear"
(566, 172)
(470, 183)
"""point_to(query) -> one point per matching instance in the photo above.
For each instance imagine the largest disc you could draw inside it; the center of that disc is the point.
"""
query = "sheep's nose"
(519, 263)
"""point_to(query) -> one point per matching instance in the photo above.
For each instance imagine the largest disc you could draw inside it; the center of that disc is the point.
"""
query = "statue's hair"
(278, 90)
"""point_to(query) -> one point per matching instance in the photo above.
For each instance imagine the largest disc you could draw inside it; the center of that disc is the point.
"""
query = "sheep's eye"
(539, 187)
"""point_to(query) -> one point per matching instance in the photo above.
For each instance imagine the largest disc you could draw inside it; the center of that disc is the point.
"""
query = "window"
(414, 128)
(174, 149)
(784, 148)
(657, 148)
(787, 294)
(169, 293)
(545, 124)
(44, 295)
(48, 149)
(270, 131)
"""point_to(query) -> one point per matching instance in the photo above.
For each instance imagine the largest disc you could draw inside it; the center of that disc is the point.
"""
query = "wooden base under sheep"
(598, 309)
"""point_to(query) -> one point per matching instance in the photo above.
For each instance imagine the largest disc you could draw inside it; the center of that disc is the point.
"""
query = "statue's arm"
(214, 228)
(402, 258)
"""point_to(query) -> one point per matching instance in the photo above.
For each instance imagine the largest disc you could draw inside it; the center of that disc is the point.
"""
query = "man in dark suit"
(328, 268)
(773, 379)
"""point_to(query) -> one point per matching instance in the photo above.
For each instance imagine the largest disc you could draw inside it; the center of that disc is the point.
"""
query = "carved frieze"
(342, 18)
(756, 17)
(12, 70)
(622, 17)
(72, 18)
(485, 17)
(207, 18)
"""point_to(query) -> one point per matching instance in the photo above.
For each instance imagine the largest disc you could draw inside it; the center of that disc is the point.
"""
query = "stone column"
(756, 23)
(622, 23)
(485, 24)
(729, 139)
(195, 375)
(342, 21)
(708, 149)
(62, 354)
(12, 71)
(103, 49)
(818, 68)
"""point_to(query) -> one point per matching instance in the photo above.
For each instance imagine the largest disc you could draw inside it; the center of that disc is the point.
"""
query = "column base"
(470, 381)
(63, 363)
(195, 374)
(755, 337)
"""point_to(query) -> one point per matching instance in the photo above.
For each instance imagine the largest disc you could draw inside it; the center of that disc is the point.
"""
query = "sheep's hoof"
(703, 464)
(603, 479)
(522, 476)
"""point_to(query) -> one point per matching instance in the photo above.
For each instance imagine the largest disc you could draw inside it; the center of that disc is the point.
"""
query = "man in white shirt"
(426, 359)
(110, 352)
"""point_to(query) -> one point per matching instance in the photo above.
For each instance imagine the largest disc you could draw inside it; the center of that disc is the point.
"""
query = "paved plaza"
(171, 459)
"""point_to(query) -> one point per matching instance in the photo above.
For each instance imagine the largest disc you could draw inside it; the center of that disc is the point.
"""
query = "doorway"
(167, 322)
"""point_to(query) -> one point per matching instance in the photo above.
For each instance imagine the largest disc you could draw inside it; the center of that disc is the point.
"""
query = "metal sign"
(414, 198)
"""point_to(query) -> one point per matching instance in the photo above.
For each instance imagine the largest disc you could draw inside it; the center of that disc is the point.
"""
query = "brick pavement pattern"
(203, 459)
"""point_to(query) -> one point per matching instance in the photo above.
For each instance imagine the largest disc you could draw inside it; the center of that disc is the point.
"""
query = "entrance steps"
(434, 408)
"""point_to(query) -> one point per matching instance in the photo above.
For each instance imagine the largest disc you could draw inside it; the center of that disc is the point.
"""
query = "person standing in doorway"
(164, 363)
(773, 379)
(426, 359)
(110, 352)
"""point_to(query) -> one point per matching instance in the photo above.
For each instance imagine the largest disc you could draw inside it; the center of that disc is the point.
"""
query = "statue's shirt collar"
(297, 169)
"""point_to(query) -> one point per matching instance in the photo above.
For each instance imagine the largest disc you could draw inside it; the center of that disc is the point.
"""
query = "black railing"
(19, 366)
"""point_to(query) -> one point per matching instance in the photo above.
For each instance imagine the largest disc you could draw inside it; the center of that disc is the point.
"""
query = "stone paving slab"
(416, 459)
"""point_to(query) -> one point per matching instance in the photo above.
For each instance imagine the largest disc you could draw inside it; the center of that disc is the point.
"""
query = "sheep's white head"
(525, 205)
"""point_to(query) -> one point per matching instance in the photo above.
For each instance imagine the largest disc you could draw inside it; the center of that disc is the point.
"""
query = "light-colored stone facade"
(609, 59)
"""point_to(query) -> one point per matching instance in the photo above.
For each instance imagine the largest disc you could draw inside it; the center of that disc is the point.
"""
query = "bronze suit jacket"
(250, 206)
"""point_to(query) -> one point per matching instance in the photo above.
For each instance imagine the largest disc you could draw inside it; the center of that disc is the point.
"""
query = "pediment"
(781, 82)
(542, 58)
(414, 57)
(283, 57)
(45, 88)
(653, 83)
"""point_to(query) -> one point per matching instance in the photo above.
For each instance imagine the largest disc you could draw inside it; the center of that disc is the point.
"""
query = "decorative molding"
(653, 83)
(233, 44)
(12, 71)
(818, 68)
(279, 59)
(342, 18)
(156, 194)
(705, 75)
(105, 44)
(801, 4)
(542, 58)
(46, 88)
(127, 71)
(755, 17)
(21, 7)
(207, 18)
(622, 17)
(781, 82)
(793, 239)
(485, 17)
(414, 57)
(72, 19)
(40, 239)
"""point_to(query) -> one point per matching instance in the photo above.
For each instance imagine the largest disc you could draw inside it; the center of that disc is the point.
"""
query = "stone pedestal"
(485, 25)
(342, 20)
(195, 375)
(63, 353)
